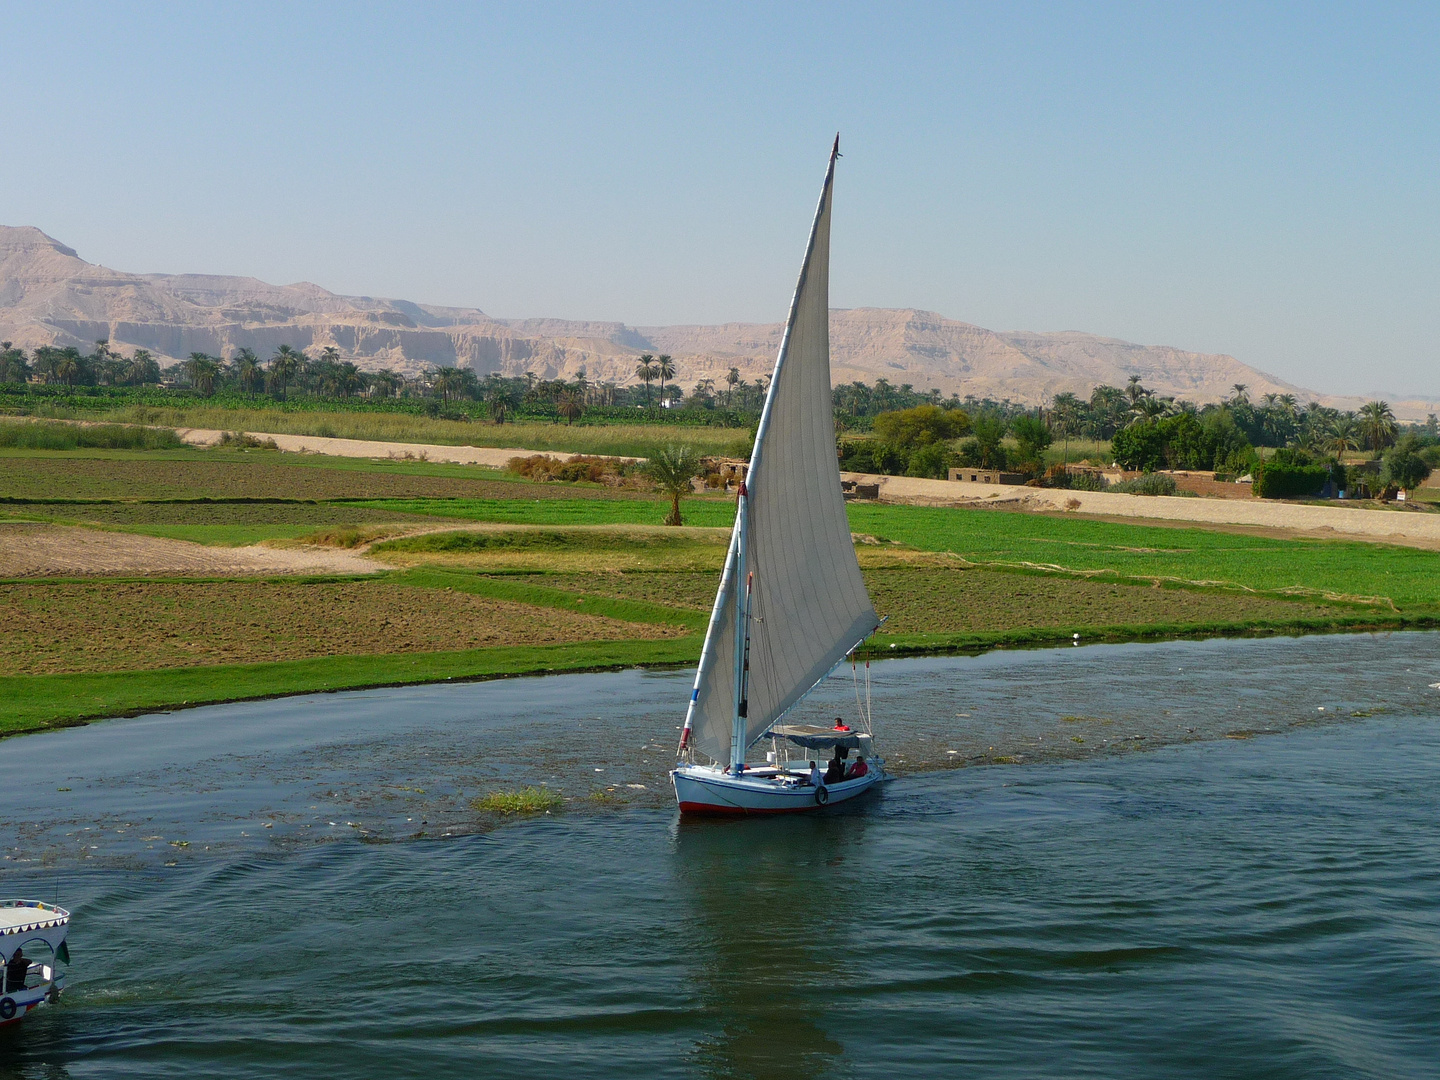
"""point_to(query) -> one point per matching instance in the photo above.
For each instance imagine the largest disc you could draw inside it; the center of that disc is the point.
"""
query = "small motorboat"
(32, 948)
(791, 606)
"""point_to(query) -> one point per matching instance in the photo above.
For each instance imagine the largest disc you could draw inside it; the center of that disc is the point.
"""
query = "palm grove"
(881, 427)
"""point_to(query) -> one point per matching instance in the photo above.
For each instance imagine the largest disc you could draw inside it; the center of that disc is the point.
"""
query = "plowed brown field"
(113, 626)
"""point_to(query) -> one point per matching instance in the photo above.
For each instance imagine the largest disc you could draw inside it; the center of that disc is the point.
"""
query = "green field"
(520, 577)
(616, 439)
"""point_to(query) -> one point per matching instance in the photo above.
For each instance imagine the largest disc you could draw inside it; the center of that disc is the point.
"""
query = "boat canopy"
(819, 738)
(23, 921)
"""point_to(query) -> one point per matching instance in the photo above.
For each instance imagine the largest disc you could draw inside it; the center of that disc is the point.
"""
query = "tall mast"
(743, 583)
(742, 627)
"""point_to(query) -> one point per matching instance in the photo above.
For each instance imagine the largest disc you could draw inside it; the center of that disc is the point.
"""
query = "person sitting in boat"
(815, 778)
(836, 772)
(857, 770)
(15, 971)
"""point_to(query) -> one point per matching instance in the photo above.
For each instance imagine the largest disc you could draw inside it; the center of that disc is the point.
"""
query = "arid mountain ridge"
(50, 296)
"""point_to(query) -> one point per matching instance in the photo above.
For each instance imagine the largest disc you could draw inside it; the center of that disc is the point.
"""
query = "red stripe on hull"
(739, 811)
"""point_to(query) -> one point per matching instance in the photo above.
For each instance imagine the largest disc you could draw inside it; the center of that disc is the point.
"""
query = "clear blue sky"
(1257, 180)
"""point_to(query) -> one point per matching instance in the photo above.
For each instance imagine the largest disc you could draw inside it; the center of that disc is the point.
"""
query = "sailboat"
(792, 605)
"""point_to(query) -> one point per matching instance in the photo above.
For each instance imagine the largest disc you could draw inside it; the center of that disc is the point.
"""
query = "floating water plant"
(529, 800)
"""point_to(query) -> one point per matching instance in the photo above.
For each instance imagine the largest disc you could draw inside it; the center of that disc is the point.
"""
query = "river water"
(1215, 858)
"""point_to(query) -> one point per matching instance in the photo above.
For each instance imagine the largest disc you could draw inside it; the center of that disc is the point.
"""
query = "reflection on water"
(772, 927)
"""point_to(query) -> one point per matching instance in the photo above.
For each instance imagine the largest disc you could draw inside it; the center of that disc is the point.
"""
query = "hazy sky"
(1260, 181)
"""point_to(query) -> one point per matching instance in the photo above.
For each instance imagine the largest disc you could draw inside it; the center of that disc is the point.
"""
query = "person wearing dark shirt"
(15, 971)
(836, 772)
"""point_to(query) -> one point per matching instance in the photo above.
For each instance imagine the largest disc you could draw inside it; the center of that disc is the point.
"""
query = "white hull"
(701, 790)
(19, 1002)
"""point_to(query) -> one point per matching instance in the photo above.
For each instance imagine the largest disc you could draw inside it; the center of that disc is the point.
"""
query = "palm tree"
(1065, 418)
(731, 379)
(1240, 397)
(448, 381)
(201, 370)
(67, 366)
(502, 402)
(387, 382)
(569, 405)
(1134, 391)
(283, 366)
(1342, 434)
(330, 354)
(141, 368)
(1377, 424)
(248, 371)
(665, 368)
(673, 467)
(645, 372)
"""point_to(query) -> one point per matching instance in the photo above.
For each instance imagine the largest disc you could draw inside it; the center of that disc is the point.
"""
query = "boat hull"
(710, 792)
(18, 1003)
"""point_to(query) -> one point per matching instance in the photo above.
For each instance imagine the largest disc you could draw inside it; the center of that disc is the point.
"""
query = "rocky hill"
(50, 296)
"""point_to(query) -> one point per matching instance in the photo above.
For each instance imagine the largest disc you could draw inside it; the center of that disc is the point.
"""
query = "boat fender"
(822, 795)
(7, 1008)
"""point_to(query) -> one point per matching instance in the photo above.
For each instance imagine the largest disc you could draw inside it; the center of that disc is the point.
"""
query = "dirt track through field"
(1411, 528)
(36, 550)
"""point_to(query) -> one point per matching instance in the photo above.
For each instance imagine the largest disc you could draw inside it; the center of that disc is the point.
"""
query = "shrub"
(1405, 468)
(931, 461)
(1182, 442)
(909, 429)
(42, 436)
(596, 470)
(871, 456)
(1139, 446)
(1278, 480)
(1032, 436)
(985, 450)
(246, 441)
(1149, 484)
(1088, 481)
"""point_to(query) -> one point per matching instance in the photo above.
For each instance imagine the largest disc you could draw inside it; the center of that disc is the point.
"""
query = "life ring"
(822, 795)
(7, 1008)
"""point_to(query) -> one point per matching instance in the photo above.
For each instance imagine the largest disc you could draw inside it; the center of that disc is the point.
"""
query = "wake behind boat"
(791, 604)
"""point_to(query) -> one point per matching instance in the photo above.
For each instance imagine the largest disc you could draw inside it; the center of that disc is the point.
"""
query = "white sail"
(790, 555)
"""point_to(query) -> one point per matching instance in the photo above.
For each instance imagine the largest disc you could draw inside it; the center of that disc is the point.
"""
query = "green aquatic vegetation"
(527, 800)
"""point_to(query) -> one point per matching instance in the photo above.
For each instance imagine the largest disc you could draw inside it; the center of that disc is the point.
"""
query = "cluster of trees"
(857, 404)
(1222, 436)
(928, 440)
(289, 371)
(71, 367)
(1147, 432)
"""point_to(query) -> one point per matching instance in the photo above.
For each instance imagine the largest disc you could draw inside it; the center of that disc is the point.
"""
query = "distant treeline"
(1147, 432)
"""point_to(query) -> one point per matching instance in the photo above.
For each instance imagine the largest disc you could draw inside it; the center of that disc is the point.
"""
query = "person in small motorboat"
(836, 772)
(815, 778)
(857, 770)
(15, 971)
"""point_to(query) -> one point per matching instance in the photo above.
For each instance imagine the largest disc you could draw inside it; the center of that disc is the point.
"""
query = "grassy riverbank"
(484, 575)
